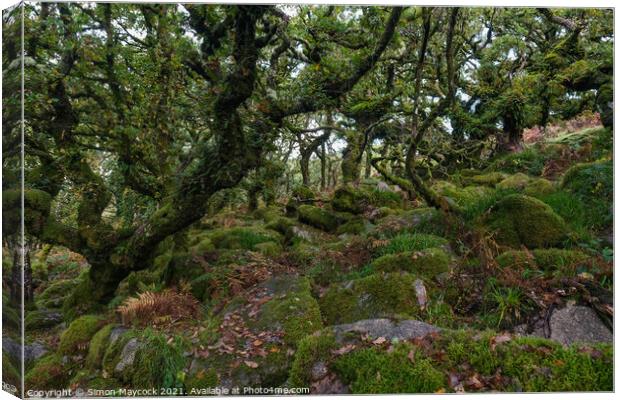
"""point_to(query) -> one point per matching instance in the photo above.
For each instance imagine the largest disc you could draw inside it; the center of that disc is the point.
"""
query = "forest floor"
(358, 291)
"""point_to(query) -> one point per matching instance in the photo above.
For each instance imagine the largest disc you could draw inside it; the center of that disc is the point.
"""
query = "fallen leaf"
(251, 364)
(379, 340)
(411, 356)
(343, 350)
(257, 342)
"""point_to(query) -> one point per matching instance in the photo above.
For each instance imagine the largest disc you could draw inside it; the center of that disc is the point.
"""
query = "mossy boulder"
(76, 337)
(375, 296)
(295, 312)
(427, 263)
(461, 196)
(412, 242)
(268, 214)
(349, 199)
(422, 220)
(523, 220)
(374, 370)
(547, 260)
(303, 193)
(281, 225)
(355, 226)
(428, 365)
(318, 217)
(49, 373)
(55, 294)
(42, 319)
(98, 345)
(488, 179)
(356, 200)
(592, 183)
(313, 350)
(269, 249)
(517, 181)
(245, 237)
(539, 187)
(158, 362)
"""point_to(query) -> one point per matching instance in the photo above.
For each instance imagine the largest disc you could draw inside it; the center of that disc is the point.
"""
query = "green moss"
(47, 374)
(10, 374)
(355, 226)
(592, 183)
(530, 161)
(281, 225)
(11, 320)
(158, 363)
(384, 198)
(539, 187)
(201, 379)
(318, 217)
(81, 299)
(39, 319)
(522, 220)
(76, 337)
(311, 350)
(375, 296)
(112, 354)
(427, 263)
(268, 214)
(303, 193)
(296, 312)
(489, 179)
(517, 181)
(270, 249)
(243, 237)
(411, 242)
(420, 220)
(349, 199)
(548, 260)
(372, 370)
(462, 196)
(98, 346)
(203, 246)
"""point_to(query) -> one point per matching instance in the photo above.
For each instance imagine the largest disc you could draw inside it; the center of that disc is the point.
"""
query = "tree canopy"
(136, 116)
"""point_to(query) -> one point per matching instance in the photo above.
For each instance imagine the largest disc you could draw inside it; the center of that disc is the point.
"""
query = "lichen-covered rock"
(75, 338)
(386, 328)
(376, 296)
(522, 220)
(427, 263)
(578, 324)
(318, 217)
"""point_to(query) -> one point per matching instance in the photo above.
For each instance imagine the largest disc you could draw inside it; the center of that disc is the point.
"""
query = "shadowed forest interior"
(348, 199)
